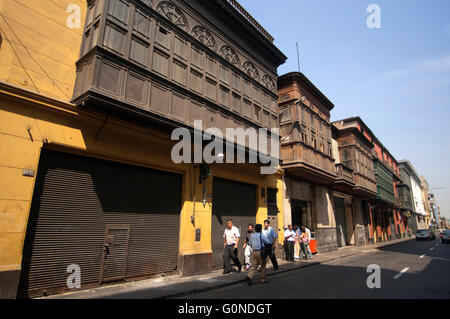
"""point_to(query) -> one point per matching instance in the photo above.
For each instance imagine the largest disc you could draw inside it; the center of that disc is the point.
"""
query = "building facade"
(86, 118)
(406, 197)
(420, 212)
(355, 182)
(384, 220)
(306, 152)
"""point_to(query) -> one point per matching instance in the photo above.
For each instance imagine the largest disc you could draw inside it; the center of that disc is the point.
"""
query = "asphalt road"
(413, 269)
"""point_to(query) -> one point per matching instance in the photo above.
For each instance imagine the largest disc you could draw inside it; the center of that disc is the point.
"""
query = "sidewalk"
(176, 286)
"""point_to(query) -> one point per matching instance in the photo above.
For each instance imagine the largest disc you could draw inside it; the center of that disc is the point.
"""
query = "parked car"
(445, 236)
(425, 234)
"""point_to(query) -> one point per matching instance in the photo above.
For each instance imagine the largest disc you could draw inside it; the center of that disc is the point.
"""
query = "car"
(425, 234)
(445, 236)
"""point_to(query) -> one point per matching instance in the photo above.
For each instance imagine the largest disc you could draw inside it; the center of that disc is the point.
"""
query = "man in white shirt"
(230, 244)
(289, 242)
(270, 237)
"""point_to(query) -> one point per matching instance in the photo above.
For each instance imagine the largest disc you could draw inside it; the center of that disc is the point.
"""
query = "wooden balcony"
(307, 163)
(344, 178)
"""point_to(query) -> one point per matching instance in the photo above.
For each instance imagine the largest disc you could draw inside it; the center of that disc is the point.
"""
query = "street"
(413, 269)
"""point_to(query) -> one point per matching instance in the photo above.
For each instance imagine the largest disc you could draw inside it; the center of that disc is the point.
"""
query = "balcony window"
(119, 10)
(114, 39)
(162, 37)
(196, 81)
(160, 62)
(257, 113)
(247, 108)
(236, 103)
(224, 96)
(211, 89)
(224, 74)
(139, 51)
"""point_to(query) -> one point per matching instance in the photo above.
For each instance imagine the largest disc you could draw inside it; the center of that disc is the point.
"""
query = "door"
(77, 202)
(341, 229)
(115, 252)
(230, 200)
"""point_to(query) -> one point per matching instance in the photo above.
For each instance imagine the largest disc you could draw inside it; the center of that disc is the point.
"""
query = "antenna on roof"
(298, 59)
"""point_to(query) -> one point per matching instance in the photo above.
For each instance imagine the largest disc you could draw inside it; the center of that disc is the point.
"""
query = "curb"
(280, 271)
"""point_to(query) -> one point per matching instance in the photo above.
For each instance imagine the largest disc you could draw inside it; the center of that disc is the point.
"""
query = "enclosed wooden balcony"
(344, 178)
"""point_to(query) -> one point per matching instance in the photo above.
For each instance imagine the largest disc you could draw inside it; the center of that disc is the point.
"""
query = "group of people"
(259, 245)
(300, 236)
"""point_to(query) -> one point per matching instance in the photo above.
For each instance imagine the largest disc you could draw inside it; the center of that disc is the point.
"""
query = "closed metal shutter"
(231, 200)
(113, 220)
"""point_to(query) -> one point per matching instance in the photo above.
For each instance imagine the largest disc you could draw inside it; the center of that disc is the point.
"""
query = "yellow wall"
(24, 126)
(39, 50)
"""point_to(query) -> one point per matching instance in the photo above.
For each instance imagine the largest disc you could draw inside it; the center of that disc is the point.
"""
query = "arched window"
(268, 82)
(204, 36)
(172, 13)
(251, 70)
(229, 54)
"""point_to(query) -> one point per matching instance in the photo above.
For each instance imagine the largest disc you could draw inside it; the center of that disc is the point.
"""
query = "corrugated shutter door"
(76, 198)
(231, 200)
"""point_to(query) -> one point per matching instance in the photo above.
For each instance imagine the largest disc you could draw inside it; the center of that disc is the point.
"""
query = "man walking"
(289, 242)
(270, 236)
(247, 247)
(256, 241)
(230, 245)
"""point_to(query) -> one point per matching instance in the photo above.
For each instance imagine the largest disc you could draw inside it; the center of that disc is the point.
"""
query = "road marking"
(422, 256)
(401, 273)
(432, 248)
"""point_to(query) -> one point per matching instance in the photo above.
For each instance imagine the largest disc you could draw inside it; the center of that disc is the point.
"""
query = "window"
(236, 103)
(247, 108)
(138, 51)
(179, 47)
(197, 58)
(211, 66)
(224, 74)
(196, 81)
(256, 113)
(114, 39)
(211, 89)
(160, 62)
(162, 37)
(179, 72)
(141, 23)
(236, 82)
(224, 96)
(119, 10)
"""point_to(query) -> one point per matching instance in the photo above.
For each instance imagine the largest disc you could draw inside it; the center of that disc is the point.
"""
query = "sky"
(396, 77)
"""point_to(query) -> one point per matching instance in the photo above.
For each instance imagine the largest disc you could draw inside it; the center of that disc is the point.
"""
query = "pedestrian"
(289, 242)
(304, 242)
(247, 247)
(230, 244)
(258, 258)
(298, 232)
(270, 236)
(309, 240)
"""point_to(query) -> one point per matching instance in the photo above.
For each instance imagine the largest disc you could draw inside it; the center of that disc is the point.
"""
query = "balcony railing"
(343, 172)
(250, 19)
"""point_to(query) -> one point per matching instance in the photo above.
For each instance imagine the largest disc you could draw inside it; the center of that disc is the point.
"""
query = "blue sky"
(396, 78)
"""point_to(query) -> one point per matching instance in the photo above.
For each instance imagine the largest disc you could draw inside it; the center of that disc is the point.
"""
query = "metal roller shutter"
(113, 220)
(231, 200)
